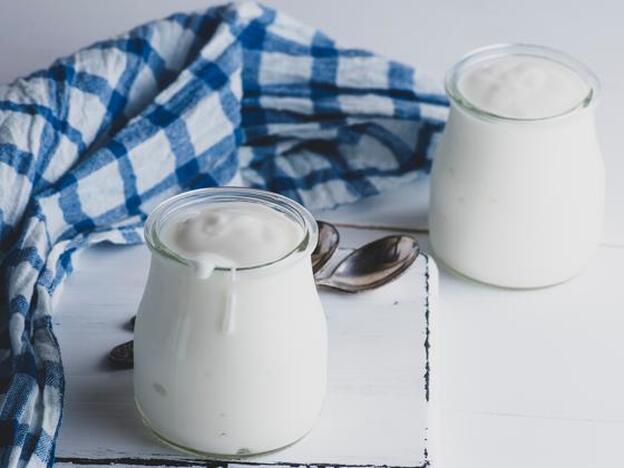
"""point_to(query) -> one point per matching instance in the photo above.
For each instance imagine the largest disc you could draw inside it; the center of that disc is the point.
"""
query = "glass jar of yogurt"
(230, 343)
(518, 179)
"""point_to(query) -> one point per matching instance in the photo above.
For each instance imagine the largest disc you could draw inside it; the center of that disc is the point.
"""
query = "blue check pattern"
(89, 146)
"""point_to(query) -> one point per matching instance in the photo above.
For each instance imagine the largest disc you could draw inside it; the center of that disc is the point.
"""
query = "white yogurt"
(516, 201)
(230, 356)
(522, 87)
(231, 234)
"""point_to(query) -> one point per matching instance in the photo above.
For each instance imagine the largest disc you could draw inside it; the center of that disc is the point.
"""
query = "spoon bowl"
(372, 265)
(328, 239)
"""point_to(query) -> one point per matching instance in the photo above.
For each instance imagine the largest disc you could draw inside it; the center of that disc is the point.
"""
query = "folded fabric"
(89, 146)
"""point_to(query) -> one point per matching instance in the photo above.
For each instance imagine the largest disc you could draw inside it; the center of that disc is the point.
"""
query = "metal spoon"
(371, 265)
(122, 356)
(328, 239)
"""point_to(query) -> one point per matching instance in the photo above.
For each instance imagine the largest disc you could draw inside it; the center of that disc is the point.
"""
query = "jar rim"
(502, 50)
(285, 205)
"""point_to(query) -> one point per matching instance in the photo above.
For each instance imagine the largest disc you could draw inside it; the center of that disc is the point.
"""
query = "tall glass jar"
(517, 202)
(233, 364)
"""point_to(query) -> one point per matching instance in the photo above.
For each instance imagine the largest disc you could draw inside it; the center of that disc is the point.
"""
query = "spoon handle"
(327, 283)
(322, 275)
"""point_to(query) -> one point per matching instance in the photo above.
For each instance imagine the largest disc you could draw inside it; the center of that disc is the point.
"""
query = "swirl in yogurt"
(231, 235)
(523, 87)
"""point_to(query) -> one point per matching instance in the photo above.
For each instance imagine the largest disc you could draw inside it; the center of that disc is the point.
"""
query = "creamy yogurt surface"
(522, 87)
(231, 235)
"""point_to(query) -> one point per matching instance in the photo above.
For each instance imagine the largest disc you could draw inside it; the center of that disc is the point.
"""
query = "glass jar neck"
(494, 52)
(164, 213)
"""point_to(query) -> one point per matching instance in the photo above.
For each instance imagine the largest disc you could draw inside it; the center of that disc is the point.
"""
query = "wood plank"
(533, 378)
(376, 369)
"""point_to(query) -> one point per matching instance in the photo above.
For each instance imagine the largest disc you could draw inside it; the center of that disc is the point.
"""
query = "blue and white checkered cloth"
(89, 146)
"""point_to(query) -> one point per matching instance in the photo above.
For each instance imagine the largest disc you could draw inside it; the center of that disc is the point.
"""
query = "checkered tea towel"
(89, 146)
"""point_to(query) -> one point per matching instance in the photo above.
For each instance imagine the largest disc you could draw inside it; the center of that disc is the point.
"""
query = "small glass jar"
(233, 364)
(517, 202)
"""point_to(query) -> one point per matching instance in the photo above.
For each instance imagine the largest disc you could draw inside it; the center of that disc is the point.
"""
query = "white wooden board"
(375, 412)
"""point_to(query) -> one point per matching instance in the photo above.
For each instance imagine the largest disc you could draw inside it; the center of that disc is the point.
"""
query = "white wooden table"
(527, 378)
(523, 378)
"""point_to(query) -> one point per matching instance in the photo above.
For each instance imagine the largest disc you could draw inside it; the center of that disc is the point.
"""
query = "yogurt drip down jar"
(230, 362)
(517, 197)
